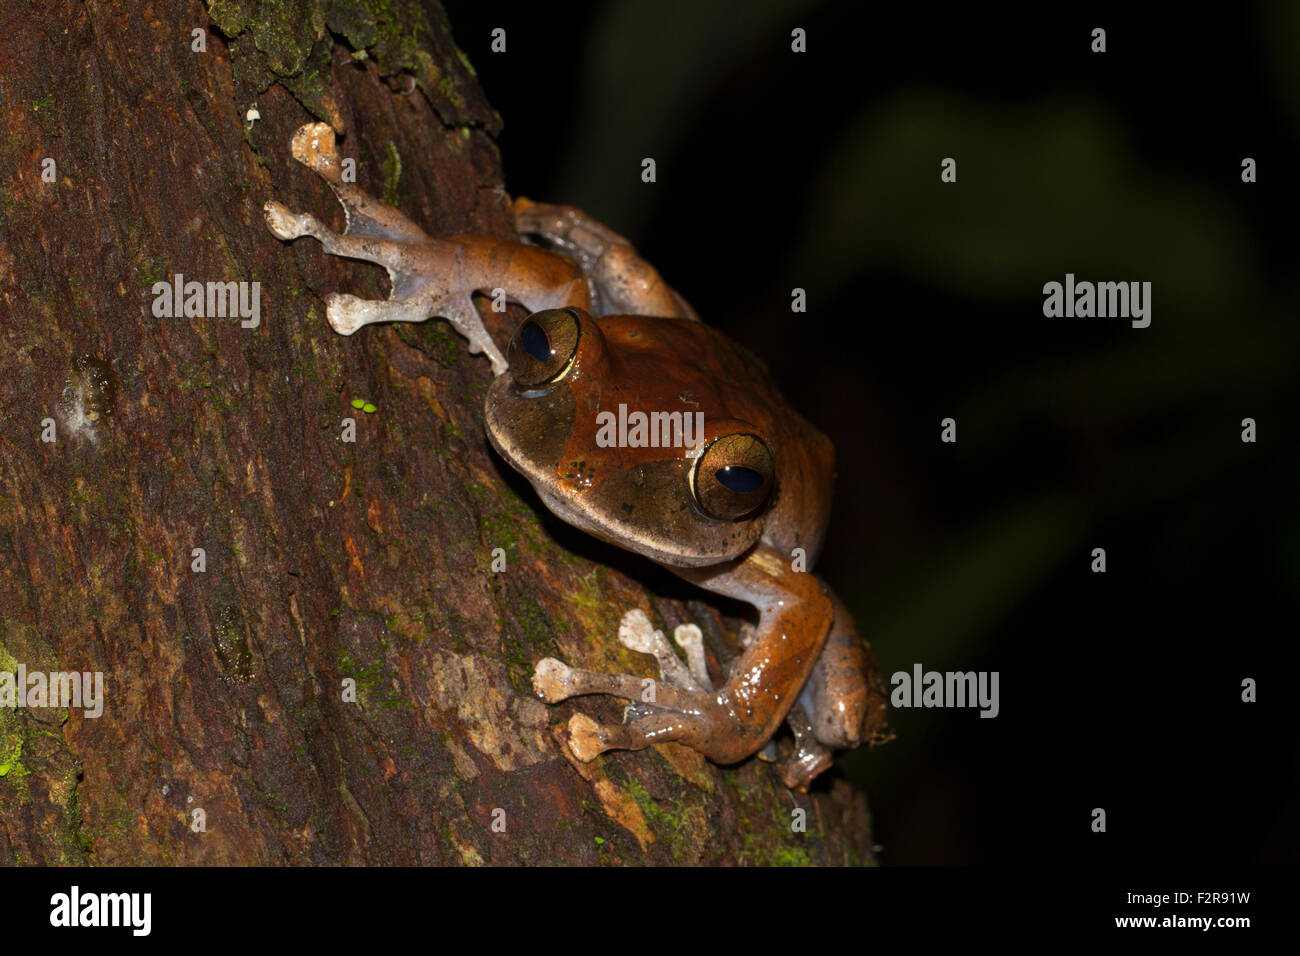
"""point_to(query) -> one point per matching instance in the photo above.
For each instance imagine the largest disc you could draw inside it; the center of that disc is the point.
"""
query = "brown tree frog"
(735, 513)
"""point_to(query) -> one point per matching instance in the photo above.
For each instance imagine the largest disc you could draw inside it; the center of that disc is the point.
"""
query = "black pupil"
(534, 341)
(739, 479)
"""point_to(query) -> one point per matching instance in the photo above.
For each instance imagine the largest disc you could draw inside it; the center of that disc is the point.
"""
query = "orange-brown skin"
(634, 341)
(640, 498)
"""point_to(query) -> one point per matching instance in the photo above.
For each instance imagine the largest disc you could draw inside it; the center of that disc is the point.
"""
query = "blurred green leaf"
(940, 607)
(1042, 189)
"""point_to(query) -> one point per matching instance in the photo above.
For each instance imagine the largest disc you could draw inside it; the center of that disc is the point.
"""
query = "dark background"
(821, 170)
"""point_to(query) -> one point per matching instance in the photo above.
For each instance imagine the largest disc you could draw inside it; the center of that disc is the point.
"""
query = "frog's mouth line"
(572, 510)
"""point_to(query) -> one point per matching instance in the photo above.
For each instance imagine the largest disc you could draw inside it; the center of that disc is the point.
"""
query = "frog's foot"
(657, 712)
(313, 146)
(414, 296)
(393, 255)
(810, 757)
(636, 633)
(622, 282)
(286, 224)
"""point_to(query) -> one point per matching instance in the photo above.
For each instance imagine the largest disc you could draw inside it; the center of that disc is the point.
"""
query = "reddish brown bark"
(324, 560)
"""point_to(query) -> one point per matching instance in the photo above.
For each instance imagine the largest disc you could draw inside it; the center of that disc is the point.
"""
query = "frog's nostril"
(533, 338)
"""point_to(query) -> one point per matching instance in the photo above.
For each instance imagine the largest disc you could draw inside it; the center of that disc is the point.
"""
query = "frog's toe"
(636, 633)
(347, 313)
(804, 766)
(283, 223)
(551, 680)
(691, 640)
(313, 146)
(458, 309)
(587, 739)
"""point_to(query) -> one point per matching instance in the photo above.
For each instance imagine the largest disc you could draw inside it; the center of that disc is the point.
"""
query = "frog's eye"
(542, 350)
(733, 476)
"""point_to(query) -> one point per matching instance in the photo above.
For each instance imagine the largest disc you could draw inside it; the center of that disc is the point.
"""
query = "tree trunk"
(322, 560)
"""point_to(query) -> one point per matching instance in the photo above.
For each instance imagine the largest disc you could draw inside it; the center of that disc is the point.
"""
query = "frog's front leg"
(839, 707)
(430, 277)
(734, 721)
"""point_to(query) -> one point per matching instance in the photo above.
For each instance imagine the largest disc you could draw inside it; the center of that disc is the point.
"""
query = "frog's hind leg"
(622, 282)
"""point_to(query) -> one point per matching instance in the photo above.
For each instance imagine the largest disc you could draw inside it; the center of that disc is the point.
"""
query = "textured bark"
(325, 560)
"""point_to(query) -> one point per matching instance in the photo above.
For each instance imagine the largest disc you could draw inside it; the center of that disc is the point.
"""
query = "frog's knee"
(836, 718)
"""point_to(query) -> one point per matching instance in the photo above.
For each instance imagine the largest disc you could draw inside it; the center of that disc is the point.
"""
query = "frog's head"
(628, 437)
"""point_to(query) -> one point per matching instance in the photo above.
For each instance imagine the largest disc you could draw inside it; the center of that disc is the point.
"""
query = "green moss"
(11, 735)
(72, 819)
(392, 171)
(588, 594)
(376, 685)
(460, 54)
(681, 826)
(355, 22)
(289, 41)
(231, 16)
(11, 754)
(773, 843)
(284, 31)
(449, 90)
(446, 344)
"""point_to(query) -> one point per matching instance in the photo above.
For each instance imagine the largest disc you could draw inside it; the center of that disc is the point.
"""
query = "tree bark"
(325, 560)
